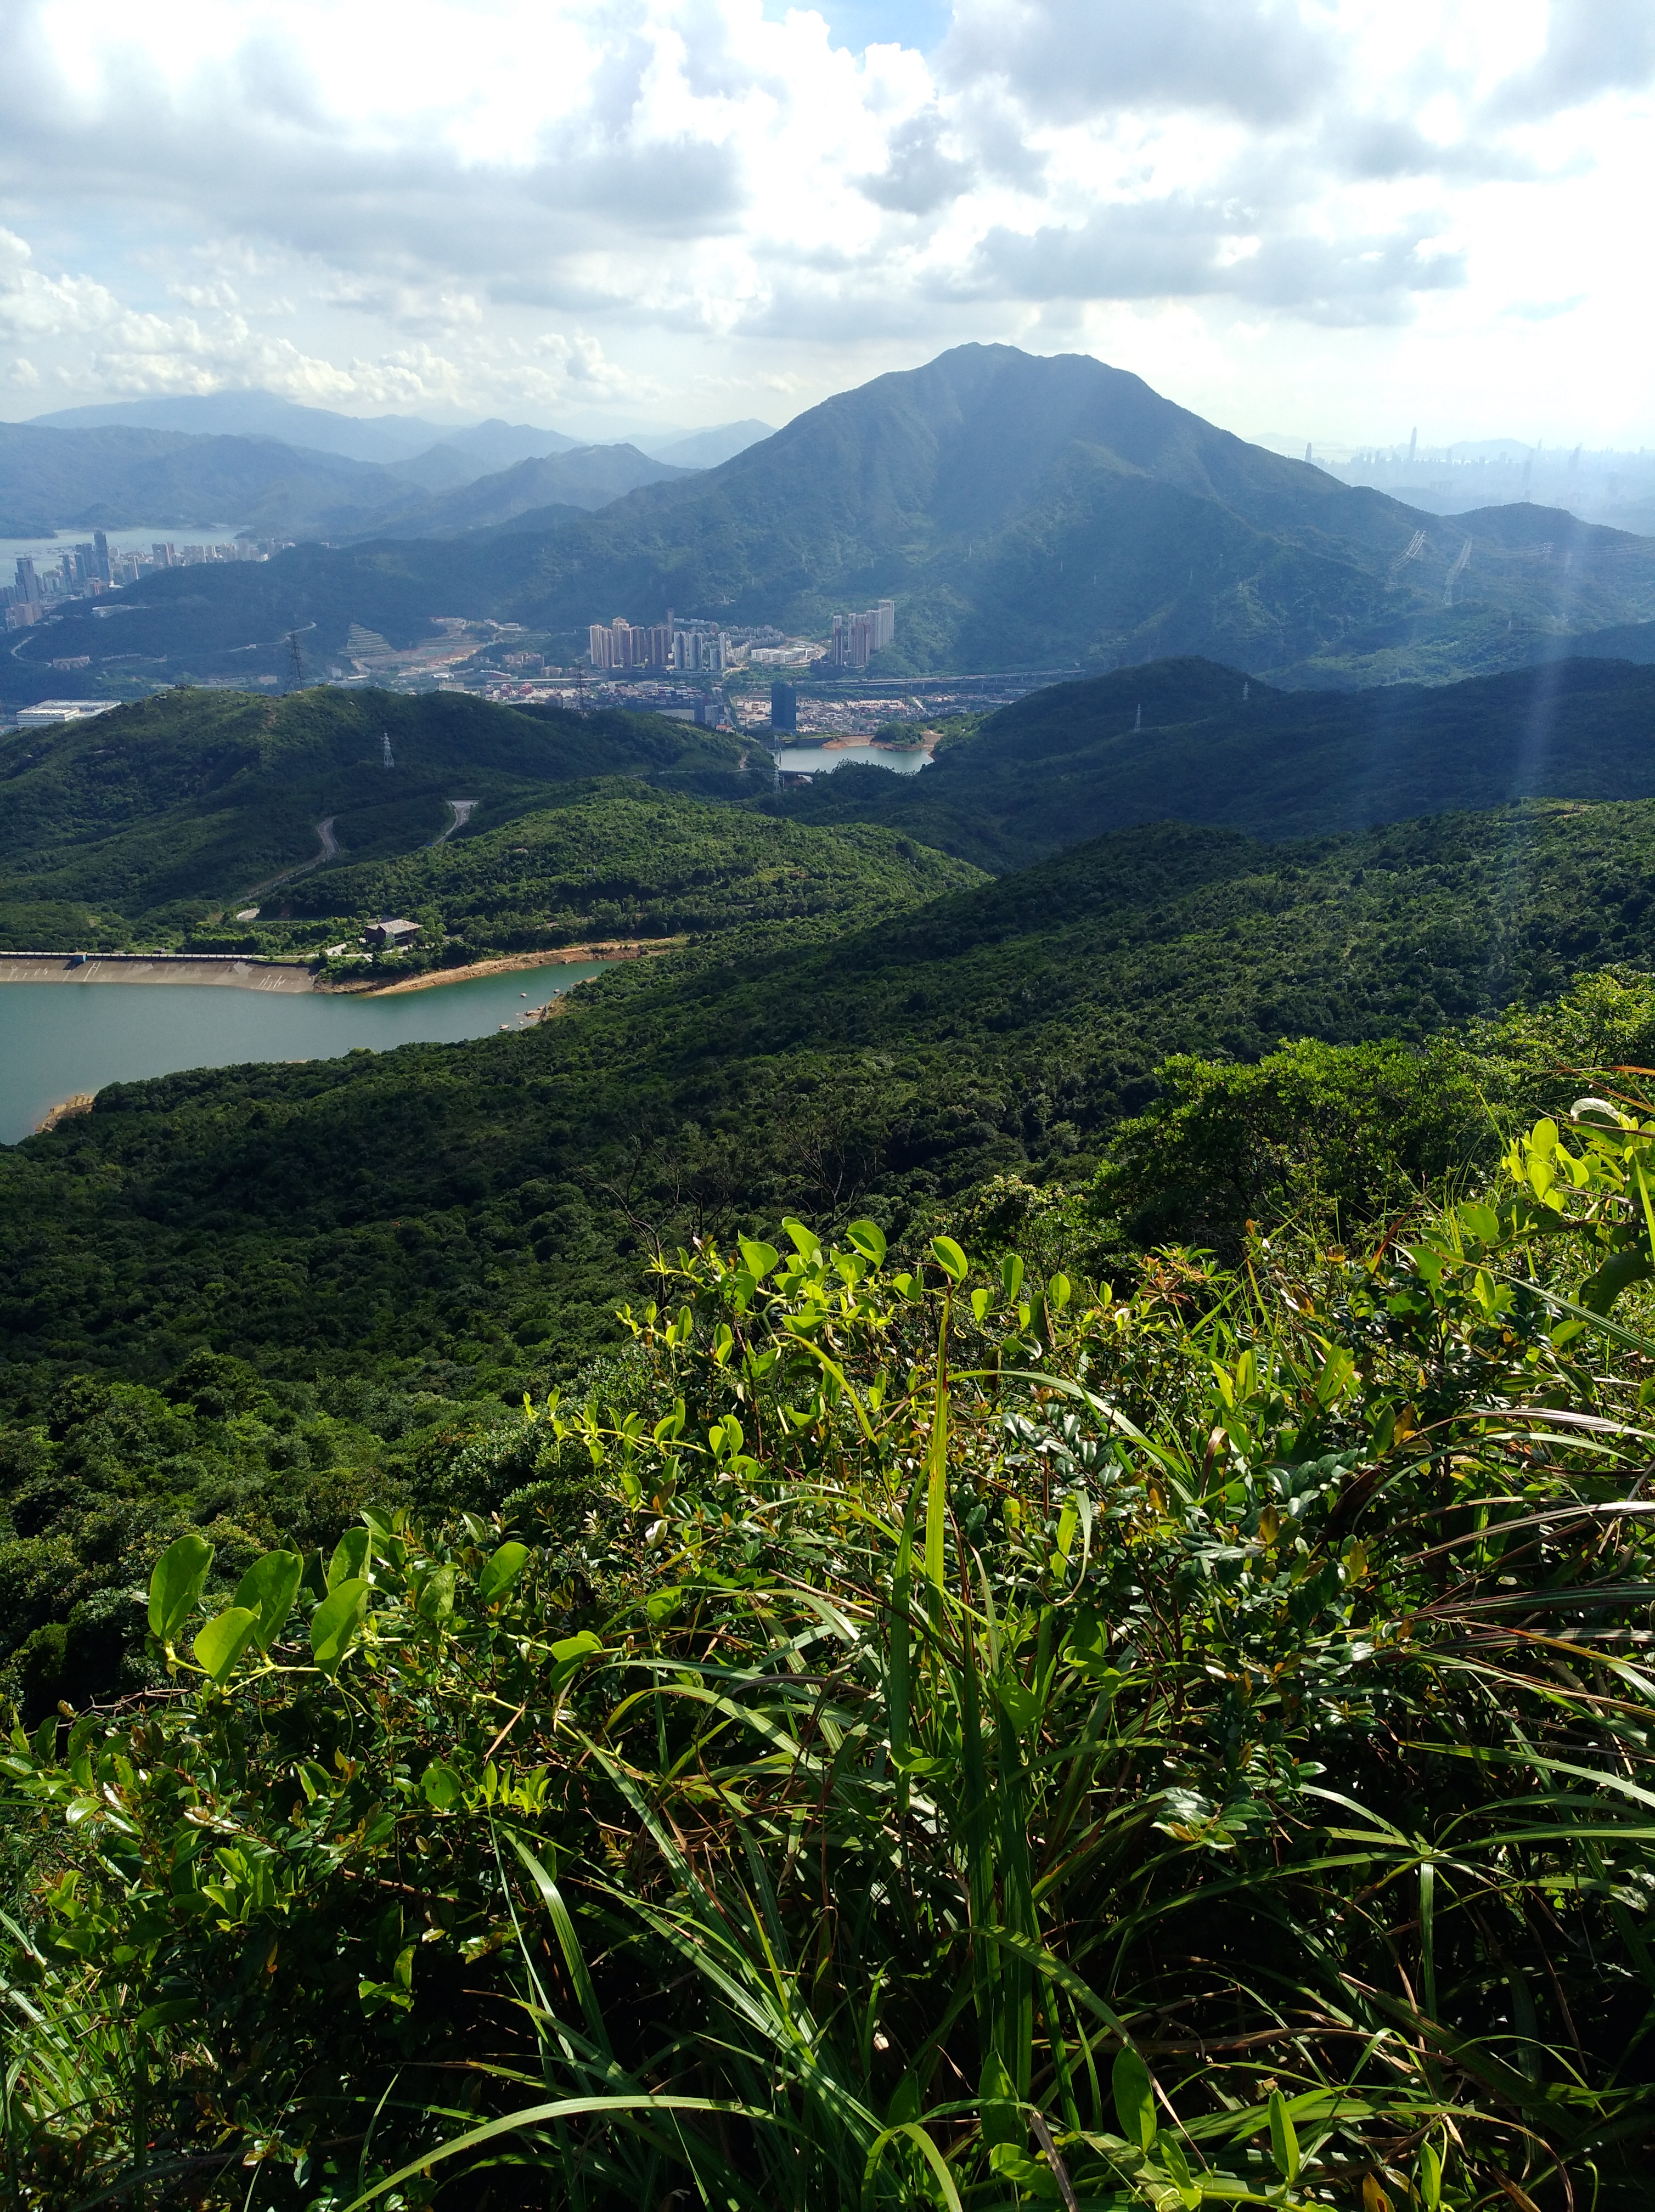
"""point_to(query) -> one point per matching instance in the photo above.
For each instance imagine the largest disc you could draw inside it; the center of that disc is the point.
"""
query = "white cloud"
(690, 206)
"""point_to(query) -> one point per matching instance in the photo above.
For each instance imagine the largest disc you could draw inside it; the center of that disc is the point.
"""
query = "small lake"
(821, 760)
(57, 1039)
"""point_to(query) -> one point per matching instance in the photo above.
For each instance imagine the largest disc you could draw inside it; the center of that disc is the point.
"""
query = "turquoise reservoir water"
(821, 760)
(57, 1039)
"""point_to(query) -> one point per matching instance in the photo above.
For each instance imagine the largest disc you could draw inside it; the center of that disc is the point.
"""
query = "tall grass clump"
(952, 1739)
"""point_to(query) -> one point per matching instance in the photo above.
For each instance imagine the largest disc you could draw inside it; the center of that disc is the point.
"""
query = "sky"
(1332, 220)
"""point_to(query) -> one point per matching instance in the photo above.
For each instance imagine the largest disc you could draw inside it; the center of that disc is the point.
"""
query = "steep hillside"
(438, 1207)
(621, 859)
(1194, 742)
(1021, 511)
(149, 817)
(587, 477)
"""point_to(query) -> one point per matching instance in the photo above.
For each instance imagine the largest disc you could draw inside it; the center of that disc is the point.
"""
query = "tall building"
(101, 549)
(784, 708)
(29, 584)
(856, 638)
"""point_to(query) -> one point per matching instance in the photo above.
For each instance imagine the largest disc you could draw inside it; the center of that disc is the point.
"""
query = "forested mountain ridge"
(620, 859)
(1022, 511)
(1196, 741)
(390, 1208)
(146, 818)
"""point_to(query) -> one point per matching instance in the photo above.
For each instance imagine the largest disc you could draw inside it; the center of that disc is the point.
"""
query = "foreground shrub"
(966, 1742)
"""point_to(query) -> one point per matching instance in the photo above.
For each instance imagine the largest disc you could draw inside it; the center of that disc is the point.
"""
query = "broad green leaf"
(435, 1600)
(502, 1571)
(268, 1589)
(1284, 2141)
(333, 1624)
(1430, 2178)
(571, 1649)
(806, 1241)
(176, 1584)
(350, 1560)
(757, 1259)
(1011, 1274)
(1134, 2097)
(442, 1785)
(163, 2014)
(868, 1238)
(949, 1257)
(1169, 2156)
(223, 1640)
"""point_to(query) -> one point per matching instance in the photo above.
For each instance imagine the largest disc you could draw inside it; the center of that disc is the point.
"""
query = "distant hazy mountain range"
(1021, 511)
(382, 438)
(261, 463)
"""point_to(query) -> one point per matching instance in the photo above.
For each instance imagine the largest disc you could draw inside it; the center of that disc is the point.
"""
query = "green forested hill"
(1022, 511)
(457, 1204)
(621, 859)
(1199, 743)
(147, 819)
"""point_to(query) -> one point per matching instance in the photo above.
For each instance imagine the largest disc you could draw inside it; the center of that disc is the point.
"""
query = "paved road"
(330, 851)
(462, 809)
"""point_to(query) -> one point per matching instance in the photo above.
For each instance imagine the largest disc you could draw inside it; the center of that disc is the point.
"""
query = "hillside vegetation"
(442, 1209)
(1022, 513)
(905, 1733)
(620, 860)
(145, 824)
(1203, 743)
(1107, 1670)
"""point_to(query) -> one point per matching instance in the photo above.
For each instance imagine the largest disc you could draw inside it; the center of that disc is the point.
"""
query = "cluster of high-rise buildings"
(691, 646)
(856, 638)
(88, 569)
(702, 646)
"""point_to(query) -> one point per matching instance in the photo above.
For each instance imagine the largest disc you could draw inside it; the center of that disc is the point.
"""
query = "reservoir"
(57, 1039)
(821, 760)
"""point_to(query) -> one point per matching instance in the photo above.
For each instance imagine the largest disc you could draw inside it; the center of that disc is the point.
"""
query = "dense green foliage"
(913, 1736)
(141, 826)
(893, 1733)
(1021, 511)
(459, 1201)
(1198, 743)
(620, 860)
(452, 1223)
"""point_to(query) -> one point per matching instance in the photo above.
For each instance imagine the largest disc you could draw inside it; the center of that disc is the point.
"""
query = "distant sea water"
(59, 1039)
(138, 539)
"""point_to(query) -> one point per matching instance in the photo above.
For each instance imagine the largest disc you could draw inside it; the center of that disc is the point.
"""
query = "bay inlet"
(58, 1043)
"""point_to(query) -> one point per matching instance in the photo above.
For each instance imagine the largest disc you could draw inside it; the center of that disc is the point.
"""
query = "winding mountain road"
(330, 851)
(462, 809)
